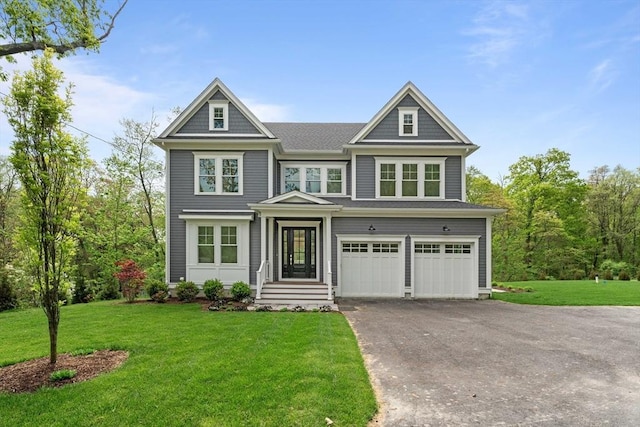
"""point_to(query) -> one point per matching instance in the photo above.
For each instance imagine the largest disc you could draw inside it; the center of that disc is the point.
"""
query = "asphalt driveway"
(494, 363)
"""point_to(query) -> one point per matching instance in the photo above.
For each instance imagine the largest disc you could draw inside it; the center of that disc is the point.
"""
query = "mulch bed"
(31, 375)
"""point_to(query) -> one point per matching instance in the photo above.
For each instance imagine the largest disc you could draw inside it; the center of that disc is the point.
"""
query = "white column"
(263, 237)
(272, 264)
(488, 260)
(328, 278)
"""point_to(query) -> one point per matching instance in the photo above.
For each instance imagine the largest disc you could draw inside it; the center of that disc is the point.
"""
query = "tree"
(8, 197)
(49, 163)
(133, 154)
(613, 201)
(60, 25)
(546, 183)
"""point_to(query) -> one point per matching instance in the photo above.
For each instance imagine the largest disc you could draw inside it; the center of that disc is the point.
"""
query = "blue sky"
(517, 77)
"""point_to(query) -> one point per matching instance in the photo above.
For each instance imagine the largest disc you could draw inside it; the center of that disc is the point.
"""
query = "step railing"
(262, 275)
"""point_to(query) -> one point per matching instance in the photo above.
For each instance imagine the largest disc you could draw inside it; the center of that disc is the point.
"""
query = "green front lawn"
(191, 367)
(574, 292)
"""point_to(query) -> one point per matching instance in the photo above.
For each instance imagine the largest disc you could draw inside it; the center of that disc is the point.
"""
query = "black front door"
(298, 253)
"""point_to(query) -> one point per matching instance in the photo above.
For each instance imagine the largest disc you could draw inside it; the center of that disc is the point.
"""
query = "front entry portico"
(295, 240)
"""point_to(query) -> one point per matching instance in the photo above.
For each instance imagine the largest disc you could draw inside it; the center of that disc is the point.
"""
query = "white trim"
(218, 210)
(353, 175)
(310, 224)
(417, 212)
(216, 217)
(324, 176)
(369, 238)
(412, 141)
(218, 103)
(293, 195)
(417, 150)
(413, 112)
(221, 135)
(270, 175)
(327, 250)
(420, 162)
(218, 156)
(463, 172)
(167, 218)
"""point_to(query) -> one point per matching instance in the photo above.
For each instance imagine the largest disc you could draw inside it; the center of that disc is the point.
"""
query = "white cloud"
(268, 112)
(499, 29)
(99, 102)
(602, 76)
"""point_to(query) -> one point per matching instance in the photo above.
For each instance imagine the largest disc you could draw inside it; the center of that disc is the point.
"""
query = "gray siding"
(413, 226)
(199, 122)
(366, 177)
(428, 128)
(181, 196)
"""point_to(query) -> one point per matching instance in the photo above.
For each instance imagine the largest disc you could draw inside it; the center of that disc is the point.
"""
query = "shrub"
(607, 275)
(158, 291)
(109, 291)
(131, 278)
(213, 289)
(82, 292)
(638, 276)
(240, 291)
(8, 298)
(62, 374)
(624, 275)
(187, 291)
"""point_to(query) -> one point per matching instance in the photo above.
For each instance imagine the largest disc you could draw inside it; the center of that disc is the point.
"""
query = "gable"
(197, 118)
(428, 127)
(199, 122)
(426, 123)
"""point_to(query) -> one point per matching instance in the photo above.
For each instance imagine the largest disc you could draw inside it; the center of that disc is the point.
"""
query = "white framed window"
(410, 178)
(326, 179)
(228, 244)
(219, 115)
(407, 121)
(206, 245)
(217, 173)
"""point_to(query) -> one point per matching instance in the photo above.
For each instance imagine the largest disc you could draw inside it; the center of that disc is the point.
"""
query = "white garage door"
(444, 270)
(371, 269)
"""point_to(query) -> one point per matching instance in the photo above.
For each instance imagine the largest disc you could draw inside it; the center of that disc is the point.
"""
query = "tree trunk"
(53, 340)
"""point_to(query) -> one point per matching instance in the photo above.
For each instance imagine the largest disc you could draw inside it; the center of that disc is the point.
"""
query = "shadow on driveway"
(495, 363)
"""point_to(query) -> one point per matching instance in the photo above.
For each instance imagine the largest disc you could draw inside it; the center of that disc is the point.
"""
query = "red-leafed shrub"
(131, 278)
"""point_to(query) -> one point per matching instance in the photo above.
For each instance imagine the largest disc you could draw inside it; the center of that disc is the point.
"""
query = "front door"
(298, 253)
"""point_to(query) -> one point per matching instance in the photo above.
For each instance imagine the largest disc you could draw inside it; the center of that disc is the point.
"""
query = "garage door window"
(457, 249)
(427, 248)
(355, 247)
(385, 247)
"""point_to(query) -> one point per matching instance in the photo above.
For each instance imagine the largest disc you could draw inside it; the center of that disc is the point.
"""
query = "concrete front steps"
(287, 294)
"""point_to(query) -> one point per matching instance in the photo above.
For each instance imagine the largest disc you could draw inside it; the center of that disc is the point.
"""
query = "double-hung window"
(410, 178)
(314, 179)
(218, 115)
(217, 244)
(206, 244)
(218, 173)
(408, 121)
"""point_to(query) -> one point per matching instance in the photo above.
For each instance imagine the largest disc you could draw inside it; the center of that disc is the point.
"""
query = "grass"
(574, 292)
(191, 367)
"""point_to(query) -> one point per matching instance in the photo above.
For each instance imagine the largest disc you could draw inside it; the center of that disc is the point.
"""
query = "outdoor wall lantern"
(445, 228)
(372, 228)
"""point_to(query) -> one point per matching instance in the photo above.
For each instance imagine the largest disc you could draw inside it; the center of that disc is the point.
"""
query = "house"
(317, 210)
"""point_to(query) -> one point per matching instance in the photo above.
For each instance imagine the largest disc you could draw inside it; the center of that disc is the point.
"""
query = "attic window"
(408, 121)
(219, 115)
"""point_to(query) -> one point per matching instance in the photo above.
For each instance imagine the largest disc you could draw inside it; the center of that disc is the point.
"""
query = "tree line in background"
(557, 225)
(66, 221)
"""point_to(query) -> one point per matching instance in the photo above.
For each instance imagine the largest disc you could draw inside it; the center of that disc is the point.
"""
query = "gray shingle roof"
(314, 136)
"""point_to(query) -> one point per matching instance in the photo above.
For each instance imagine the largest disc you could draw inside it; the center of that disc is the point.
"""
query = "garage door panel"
(371, 269)
(443, 270)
